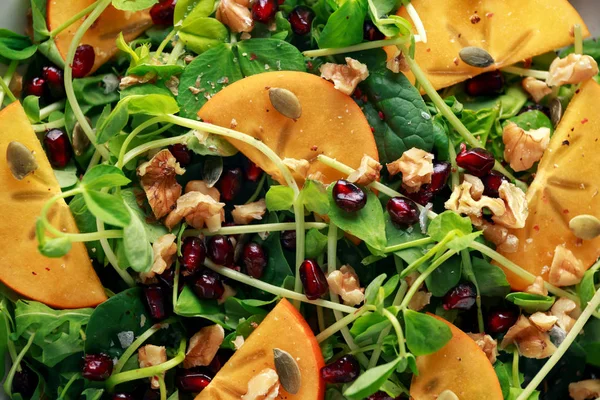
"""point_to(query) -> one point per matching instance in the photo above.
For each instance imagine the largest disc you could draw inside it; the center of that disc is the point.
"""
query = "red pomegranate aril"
(24, 382)
(441, 172)
(208, 286)
(371, 32)
(288, 240)
(193, 254)
(255, 259)
(492, 183)
(253, 171)
(403, 212)
(35, 87)
(181, 153)
(344, 370)
(348, 196)
(313, 279)
(220, 250)
(230, 183)
(167, 278)
(97, 367)
(301, 19)
(477, 161)
(500, 321)
(123, 396)
(83, 62)
(219, 360)
(162, 13)
(486, 84)
(155, 299)
(55, 80)
(264, 10)
(192, 382)
(461, 297)
(58, 148)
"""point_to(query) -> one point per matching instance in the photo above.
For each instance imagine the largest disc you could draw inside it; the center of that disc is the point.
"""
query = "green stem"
(515, 369)
(155, 144)
(468, 271)
(49, 109)
(300, 240)
(454, 175)
(164, 44)
(239, 230)
(394, 321)
(12, 67)
(431, 253)
(259, 187)
(177, 51)
(413, 243)
(4, 313)
(112, 258)
(92, 236)
(48, 205)
(357, 47)
(578, 46)
(340, 324)
(543, 75)
(16, 364)
(6, 90)
(59, 123)
(414, 15)
(320, 319)
(94, 160)
(162, 387)
(132, 136)
(63, 393)
(73, 19)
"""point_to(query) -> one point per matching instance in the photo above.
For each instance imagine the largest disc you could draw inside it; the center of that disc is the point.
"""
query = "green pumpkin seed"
(20, 159)
(285, 102)
(556, 111)
(288, 370)
(476, 57)
(586, 227)
(80, 140)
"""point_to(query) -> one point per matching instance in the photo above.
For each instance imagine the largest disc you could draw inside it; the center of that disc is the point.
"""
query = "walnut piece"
(397, 63)
(202, 187)
(228, 292)
(487, 344)
(244, 214)
(416, 166)
(542, 321)
(203, 346)
(367, 172)
(198, 209)
(149, 356)
(420, 299)
(236, 15)
(299, 167)
(345, 77)
(524, 148)
(158, 181)
(566, 269)
(317, 176)
(344, 282)
(537, 287)
(537, 89)
(531, 342)
(238, 342)
(505, 242)
(463, 202)
(164, 249)
(131, 80)
(562, 309)
(515, 203)
(263, 386)
(574, 68)
(583, 390)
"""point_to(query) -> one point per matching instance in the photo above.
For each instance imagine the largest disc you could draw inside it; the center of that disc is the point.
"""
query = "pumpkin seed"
(80, 140)
(556, 111)
(586, 227)
(288, 370)
(213, 168)
(476, 57)
(20, 159)
(285, 102)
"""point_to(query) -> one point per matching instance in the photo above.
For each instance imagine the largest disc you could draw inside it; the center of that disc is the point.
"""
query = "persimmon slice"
(566, 184)
(460, 366)
(66, 282)
(283, 328)
(103, 33)
(331, 122)
(510, 30)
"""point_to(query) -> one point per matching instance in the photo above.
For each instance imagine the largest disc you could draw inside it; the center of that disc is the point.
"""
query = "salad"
(301, 200)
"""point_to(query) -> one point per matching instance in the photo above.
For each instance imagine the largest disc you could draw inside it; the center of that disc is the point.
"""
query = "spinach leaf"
(15, 47)
(106, 207)
(244, 329)
(260, 55)
(490, 278)
(371, 380)
(531, 302)
(5, 328)
(153, 230)
(446, 222)
(278, 268)
(202, 33)
(86, 223)
(239, 309)
(92, 394)
(94, 92)
(586, 289)
(189, 305)
(533, 119)
(345, 26)
(444, 277)
(590, 341)
(137, 244)
(133, 5)
(424, 333)
(279, 198)
(314, 197)
(315, 243)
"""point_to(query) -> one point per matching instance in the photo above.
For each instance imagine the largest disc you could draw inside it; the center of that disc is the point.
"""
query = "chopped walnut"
(299, 167)
(164, 249)
(345, 77)
(344, 282)
(505, 242)
(537, 89)
(198, 209)
(173, 85)
(158, 181)
(202, 187)
(263, 386)
(531, 342)
(416, 166)
(542, 321)
(228, 292)
(515, 203)
(420, 299)
(574, 68)
(397, 63)
(562, 309)
(487, 344)
(537, 287)
(203, 346)
(238, 342)
(131, 80)
(566, 269)
(149, 356)
(583, 390)
(236, 15)
(524, 148)
(367, 172)
(317, 176)
(462, 201)
(244, 214)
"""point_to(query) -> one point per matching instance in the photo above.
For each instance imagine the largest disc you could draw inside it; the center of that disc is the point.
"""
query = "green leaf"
(189, 305)
(158, 71)
(590, 341)
(462, 242)
(86, 223)
(191, 9)
(244, 329)
(260, 55)
(92, 90)
(136, 244)
(152, 104)
(366, 224)
(371, 380)
(5, 329)
(15, 47)
(490, 278)
(504, 377)
(373, 289)
(113, 124)
(31, 105)
(278, 268)
(531, 302)
(55, 248)
(533, 119)
(345, 26)
(586, 289)
(154, 230)
(280, 198)
(315, 243)
(104, 176)
(444, 277)
(424, 333)
(365, 323)
(446, 222)
(92, 394)
(202, 33)
(133, 5)
(67, 176)
(106, 207)
(314, 197)
(238, 310)
(38, 13)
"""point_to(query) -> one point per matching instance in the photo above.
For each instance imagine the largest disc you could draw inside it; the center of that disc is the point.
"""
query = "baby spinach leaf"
(106, 207)
(153, 230)
(533, 119)
(244, 329)
(444, 277)
(531, 302)
(315, 244)
(5, 329)
(92, 394)
(94, 92)
(586, 289)
(261, 55)
(446, 222)
(504, 377)
(371, 380)
(56, 247)
(14, 46)
(490, 278)
(424, 333)
(345, 26)
(441, 142)
(278, 268)
(314, 197)
(202, 33)
(104, 176)
(279, 198)
(86, 223)
(136, 244)
(133, 5)
(211, 145)
(189, 305)
(239, 309)
(589, 340)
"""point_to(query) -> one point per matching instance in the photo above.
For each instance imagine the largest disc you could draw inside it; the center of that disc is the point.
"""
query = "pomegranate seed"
(477, 161)
(461, 297)
(162, 13)
(208, 286)
(371, 32)
(167, 278)
(123, 396)
(492, 182)
(441, 172)
(486, 84)
(219, 360)
(499, 321)
(220, 250)
(230, 183)
(83, 61)
(58, 148)
(288, 240)
(301, 19)
(151, 394)
(24, 382)
(264, 10)
(313, 279)
(254, 259)
(54, 77)
(155, 299)
(194, 382)
(181, 154)
(403, 212)
(344, 370)
(253, 171)
(348, 196)
(97, 367)
(193, 254)
(35, 87)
